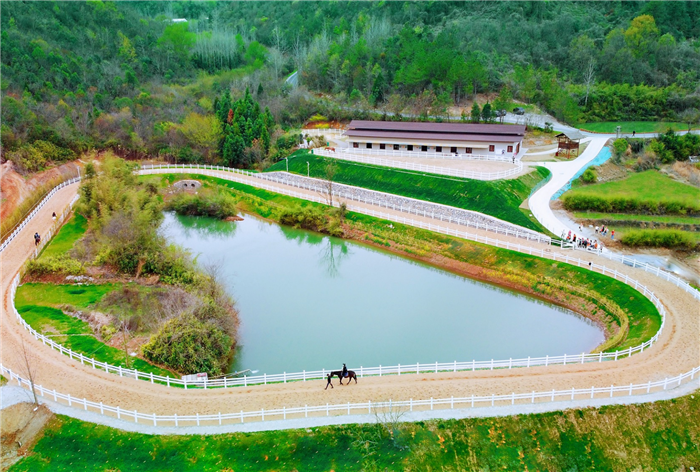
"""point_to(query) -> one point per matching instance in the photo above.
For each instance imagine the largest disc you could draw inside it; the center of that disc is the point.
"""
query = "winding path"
(676, 352)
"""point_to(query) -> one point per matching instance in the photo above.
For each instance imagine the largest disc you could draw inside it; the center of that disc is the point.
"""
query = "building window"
(492, 147)
(424, 148)
(355, 145)
(468, 150)
(510, 148)
(409, 147)
(453, 150)
(369, 145)
(438, 148)
(396, 147)
(382, 146)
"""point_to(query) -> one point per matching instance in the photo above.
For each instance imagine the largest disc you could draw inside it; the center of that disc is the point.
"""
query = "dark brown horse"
(339, 373)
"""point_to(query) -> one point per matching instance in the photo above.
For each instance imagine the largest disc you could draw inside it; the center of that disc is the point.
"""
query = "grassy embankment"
(39, 305)
(639, 126)
(659, 436)
(499, 198)
(528, 273)
(642, 199)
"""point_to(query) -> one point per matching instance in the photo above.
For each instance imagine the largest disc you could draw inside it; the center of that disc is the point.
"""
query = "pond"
(309, 301)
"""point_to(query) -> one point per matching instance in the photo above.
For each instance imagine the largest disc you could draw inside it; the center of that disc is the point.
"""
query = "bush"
(589, 176)
(194, 342)
(658, 238)
(54, 265)
(216, 205)
(305, 218)
(618, 204)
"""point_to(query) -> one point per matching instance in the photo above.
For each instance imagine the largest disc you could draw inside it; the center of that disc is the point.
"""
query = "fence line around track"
(387, 407)
(467, 174)
(343, 191)
(36, 210)
(384, 370)
(389, 370)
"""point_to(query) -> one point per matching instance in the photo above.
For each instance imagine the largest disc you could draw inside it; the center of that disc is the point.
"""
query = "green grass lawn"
(500, 198)
(638, 126)
(38, 305)
(643, 192)
(659, 436)
(69, 233)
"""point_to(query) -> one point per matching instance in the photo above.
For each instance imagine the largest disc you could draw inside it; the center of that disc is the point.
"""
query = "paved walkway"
(562, 172)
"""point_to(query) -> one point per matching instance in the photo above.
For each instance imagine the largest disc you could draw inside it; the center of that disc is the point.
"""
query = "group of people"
(585, 243)
(604, 231)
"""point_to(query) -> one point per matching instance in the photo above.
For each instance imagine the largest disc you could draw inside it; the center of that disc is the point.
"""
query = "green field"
(500, 198)
(659, 436)
(647, 192)
(627, 127)
(66, 237)
(38, 304)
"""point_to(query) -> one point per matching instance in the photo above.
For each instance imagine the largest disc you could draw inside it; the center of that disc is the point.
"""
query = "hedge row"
(658, 238)
(617, 204)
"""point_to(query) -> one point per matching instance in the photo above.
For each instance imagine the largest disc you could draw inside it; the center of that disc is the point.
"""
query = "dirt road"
(678, 350)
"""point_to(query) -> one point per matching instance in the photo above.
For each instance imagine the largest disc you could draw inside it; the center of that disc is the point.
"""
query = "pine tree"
(476, 112)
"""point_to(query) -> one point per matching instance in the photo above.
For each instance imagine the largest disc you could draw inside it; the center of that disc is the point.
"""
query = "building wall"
(477, 148)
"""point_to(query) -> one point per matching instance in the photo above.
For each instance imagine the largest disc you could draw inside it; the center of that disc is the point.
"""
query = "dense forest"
(145, 78)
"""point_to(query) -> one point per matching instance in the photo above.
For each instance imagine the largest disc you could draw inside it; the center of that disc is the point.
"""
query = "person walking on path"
(54, 216)
(612, 235)
(37, 239)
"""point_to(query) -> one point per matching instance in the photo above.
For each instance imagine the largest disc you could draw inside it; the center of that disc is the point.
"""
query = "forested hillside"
(142, 78)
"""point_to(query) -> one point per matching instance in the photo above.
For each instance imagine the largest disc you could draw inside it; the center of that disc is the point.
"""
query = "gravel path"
(677, 351)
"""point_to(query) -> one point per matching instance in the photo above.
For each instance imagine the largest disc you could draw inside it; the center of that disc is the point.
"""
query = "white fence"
(467, 174)
(430, 155)
(369, 407)
(321, 131)
(632, 262)
(397, 369)
(377, 198)
(35, 211)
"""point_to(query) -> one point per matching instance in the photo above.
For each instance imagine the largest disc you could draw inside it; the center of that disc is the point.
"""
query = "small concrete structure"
(187, 185)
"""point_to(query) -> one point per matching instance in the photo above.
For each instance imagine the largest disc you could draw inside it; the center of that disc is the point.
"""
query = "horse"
(339, 373)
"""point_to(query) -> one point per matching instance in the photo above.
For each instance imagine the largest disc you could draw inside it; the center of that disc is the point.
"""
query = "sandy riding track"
(677, 351)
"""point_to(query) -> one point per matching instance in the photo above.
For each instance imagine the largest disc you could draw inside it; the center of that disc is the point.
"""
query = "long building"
(420, 137)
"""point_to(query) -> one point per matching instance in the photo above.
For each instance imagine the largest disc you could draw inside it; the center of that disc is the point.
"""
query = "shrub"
(191, 343)
(589, 176)
(216, 205)
(306, 218)
(54, 265)
(619, 204)
(658, 238)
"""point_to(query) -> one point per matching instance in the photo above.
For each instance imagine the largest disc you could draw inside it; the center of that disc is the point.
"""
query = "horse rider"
(345, 371)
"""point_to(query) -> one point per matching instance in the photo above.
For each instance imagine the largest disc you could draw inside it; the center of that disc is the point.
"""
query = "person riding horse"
(345, 372)
(341, 374)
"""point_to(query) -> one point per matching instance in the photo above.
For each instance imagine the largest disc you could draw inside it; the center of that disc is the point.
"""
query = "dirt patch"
(233, 218)
(21, 425)
(610, 171)
(15, 188)
(330, 124)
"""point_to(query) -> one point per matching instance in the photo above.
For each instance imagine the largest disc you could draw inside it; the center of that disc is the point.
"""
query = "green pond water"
(309, 301)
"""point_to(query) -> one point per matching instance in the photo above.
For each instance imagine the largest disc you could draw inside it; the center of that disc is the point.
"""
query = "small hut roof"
(573, 135)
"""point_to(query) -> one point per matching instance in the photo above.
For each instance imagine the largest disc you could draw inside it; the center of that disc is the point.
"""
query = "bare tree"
(329, 175)
(589, 79)
(689, 116)
(28, 361)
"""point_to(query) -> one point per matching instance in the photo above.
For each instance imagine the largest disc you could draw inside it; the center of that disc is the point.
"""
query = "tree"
(642, 35)
(486, 113)
(476, 112)
(689, 116)
(329, 174)
(202, 131)
(504, 99)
